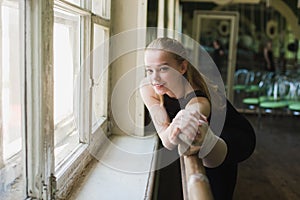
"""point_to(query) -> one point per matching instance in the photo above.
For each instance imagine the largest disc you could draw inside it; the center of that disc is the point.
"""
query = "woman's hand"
(190, 147)
(202, 130)
(185, 123)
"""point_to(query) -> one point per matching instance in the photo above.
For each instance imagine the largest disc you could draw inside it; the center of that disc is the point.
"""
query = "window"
(11, 161)
(46, 104)
(66, 34)
(101, 8)
(100, 73)
(76, 2)
(80, 87)
(53, 101)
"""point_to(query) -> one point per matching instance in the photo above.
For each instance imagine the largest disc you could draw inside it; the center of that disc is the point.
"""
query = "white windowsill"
(125, 170)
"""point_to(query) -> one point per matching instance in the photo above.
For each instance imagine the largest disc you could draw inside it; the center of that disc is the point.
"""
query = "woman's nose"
(156, 76)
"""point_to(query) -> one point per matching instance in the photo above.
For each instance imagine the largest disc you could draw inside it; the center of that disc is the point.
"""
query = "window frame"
(43, 179)
(38, 75)
(99, 129)
(12, 168)
(66, 126)
(77, 160)
(97, 20)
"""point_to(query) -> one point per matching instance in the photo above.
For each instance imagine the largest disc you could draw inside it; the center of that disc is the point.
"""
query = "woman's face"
(164, 72)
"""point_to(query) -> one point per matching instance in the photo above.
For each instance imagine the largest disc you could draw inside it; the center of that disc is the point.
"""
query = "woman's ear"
(184, 66)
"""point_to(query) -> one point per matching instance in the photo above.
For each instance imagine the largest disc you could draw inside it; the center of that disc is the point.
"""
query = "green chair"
(254, 89)
(255, 97)
(294, 102)
(240, 80)
(275, 98)
(253, 101)
(295, 108)
(254, 78)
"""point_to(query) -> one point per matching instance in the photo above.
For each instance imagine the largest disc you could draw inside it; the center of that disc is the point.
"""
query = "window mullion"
(85, 64)
(64, 5)
(39, 101)
(100, 20)
(1, 117)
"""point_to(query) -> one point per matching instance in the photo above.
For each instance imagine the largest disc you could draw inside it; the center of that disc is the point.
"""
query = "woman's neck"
(181, 91)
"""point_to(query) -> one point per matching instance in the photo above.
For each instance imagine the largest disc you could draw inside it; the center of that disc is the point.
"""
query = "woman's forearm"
(164, 136)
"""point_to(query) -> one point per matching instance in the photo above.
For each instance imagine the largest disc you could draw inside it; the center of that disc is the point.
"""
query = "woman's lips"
(158, 86)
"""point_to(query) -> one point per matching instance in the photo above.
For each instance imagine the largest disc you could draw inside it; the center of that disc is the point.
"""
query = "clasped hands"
(189, 130)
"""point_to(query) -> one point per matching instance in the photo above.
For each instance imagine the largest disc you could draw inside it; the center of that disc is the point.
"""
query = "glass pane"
(66, 65)
(100, 55)
(11, 162)
(101, 8)
(76, 2)
(215, 39)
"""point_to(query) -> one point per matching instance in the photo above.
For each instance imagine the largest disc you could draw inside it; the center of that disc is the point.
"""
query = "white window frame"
(101, 8)
(38, 76)
(43, 179)
(99, 129)
(105, 25)
(66, 126)
(39, 104)
(13, 168)
(75, 162)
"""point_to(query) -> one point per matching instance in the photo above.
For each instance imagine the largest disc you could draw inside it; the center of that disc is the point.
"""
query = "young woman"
(179, 103)
(218, 53)
(269, 58)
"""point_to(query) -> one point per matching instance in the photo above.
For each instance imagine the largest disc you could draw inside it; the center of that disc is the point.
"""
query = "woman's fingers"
(190, 132)
(203, 118)
(186, 119)
(185, 139)
(189, 123)
(194, 109)
(202, 130)
(191, 127)
(173, 137)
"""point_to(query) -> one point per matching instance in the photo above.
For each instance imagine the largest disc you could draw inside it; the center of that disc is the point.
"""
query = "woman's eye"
(163, 69)
(149, 71)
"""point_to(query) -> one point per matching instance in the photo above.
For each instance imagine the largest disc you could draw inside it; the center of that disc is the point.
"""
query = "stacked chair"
(256, 88)
(276, 95)
(254, 79)
(273, 94)
(267, 92)
(241, 79)
(294, 95)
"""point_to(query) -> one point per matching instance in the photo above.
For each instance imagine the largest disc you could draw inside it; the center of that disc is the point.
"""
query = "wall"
(126, 107)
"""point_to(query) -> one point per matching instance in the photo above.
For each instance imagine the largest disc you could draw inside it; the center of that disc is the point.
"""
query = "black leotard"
(239, 137)
(271, 60)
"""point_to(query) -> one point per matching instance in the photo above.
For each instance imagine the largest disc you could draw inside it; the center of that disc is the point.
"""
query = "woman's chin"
(160, 91)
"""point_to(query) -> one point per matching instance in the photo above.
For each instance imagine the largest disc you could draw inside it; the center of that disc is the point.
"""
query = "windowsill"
(12, 179)
(124, 169)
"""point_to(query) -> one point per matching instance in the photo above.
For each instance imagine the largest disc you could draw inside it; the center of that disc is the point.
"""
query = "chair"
(276, 96)
(294, 95)
(253, 101)
(254, 78)
(240, 80)
(256, 90)
(295, 108)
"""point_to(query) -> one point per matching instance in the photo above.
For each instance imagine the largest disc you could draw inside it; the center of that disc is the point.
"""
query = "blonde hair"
(192, 75)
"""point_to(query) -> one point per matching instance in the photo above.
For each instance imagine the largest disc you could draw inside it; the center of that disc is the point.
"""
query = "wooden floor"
(273, 171)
